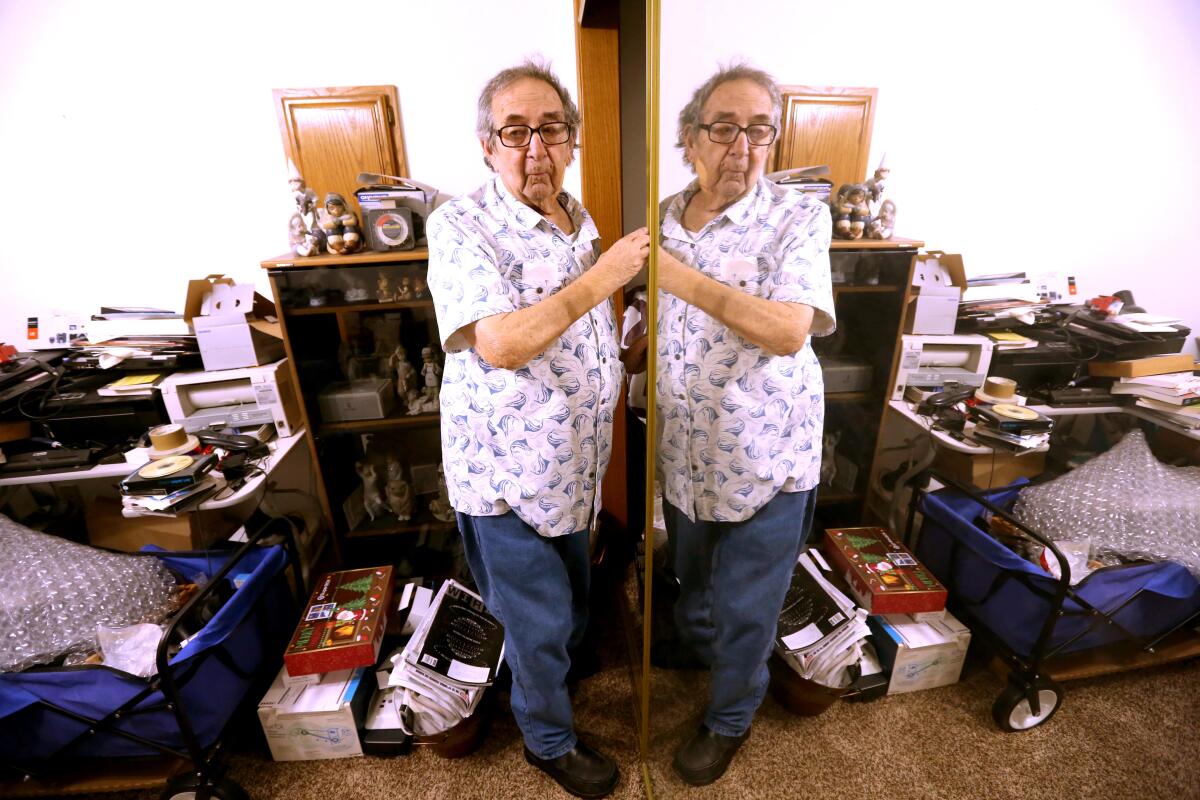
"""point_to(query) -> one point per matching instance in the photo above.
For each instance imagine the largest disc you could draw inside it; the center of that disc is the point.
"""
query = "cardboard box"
(939, 278)
(316, 721)
(883, 576)
(989, 471)
(194, 530)
(366, 398)
(1139, 367)
(234, 325)
(343, 624)
(920, 655)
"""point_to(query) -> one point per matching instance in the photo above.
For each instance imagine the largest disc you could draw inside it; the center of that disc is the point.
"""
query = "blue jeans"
(538, 588)
(733, 577)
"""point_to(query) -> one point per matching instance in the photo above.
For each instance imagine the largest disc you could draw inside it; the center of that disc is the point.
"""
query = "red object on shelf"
(343, 623)
(7, 351)
(884, 577)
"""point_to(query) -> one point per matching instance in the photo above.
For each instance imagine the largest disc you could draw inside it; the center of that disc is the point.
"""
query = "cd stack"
(169, 485)
(1011, 427)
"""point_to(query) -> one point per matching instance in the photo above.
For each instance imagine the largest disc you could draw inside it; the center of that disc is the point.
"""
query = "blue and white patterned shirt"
(738, 425)
(536, 440)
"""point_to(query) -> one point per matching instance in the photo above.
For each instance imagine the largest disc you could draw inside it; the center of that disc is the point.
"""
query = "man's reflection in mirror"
(744, 280)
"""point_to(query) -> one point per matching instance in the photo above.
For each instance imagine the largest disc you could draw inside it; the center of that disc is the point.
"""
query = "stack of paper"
(1180, 389)
(453, 655)
(169, 505)
(140, 384)
(821, 630)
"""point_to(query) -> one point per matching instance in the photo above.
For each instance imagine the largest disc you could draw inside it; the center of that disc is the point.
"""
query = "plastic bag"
(54, 593)
(132, 649)
(1126, 501)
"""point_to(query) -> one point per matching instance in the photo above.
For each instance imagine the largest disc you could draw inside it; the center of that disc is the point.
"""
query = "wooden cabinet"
(871, 289)
(326, 322)
(827, 125)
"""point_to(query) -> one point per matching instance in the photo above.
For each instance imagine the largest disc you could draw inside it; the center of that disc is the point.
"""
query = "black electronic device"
(27, 371)
(168, 475)
(1115, 342)
(162, 361)
(1052, 363)
(47, 459)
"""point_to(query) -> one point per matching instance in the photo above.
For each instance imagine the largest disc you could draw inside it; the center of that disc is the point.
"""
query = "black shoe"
(705, 757)
(671, 654)
(582, 771)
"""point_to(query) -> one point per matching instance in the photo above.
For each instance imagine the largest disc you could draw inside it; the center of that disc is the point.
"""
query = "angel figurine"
(399, 492)
(406, 376)
(373, 500)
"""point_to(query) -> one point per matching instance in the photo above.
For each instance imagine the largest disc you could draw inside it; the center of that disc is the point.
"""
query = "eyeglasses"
(759, 135)
(519, 135)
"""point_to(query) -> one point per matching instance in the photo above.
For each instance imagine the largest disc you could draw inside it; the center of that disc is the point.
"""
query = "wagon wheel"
(188, 787)
(1013, 709)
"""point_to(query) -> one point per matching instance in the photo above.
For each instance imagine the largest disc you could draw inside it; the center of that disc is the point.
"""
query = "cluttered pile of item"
(863, 618)
(336, 697)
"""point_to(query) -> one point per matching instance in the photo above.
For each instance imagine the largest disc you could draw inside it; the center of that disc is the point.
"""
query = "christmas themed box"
(343, 624)
(884, 577)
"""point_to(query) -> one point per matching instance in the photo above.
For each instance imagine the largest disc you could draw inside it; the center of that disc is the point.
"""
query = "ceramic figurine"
(406, 376)
(404, 291)
(433, 379)
(420, 288)
(303, 236)
(373, 500)
(414, 401)
(850, 211)
(440, 506)
(399, 493)
(357, 293)
(881, 227)
(300, 241)
(828, 457)
(383, 288)
(340, 226)
(874, 184)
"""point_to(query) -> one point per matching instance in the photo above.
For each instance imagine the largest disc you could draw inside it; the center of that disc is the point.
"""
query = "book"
(809, 613)
(1159, 405)
(459, 640)
(1156, 393)
(343, 623)
(883, 576)
(1007, 340)
(1174, 382)
(135, 385)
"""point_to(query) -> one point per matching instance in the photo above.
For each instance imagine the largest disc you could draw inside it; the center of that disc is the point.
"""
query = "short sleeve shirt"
(535, 440)
(739, 425)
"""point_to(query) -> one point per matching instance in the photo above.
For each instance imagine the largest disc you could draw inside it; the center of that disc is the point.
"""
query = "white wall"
(1022, 135)
(139, 146)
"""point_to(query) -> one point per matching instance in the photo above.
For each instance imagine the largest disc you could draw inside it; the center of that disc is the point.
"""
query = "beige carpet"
(1131, 736)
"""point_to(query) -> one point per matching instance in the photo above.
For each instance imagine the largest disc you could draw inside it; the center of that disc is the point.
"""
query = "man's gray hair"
(689, 117)
(535, 68)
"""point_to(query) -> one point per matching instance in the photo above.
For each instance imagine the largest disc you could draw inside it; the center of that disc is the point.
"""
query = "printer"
(931, 362)
(233, 398)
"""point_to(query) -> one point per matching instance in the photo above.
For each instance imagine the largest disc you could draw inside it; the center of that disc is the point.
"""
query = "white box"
(231, 323)
(366, 398)
(315, 721)
(940, 279)
(920, 655)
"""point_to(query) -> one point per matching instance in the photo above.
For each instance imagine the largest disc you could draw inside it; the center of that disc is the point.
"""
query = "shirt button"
(678, 356)
(604, 361)
(681, 317)
(741, 283)
(591, 476)
(539, 290)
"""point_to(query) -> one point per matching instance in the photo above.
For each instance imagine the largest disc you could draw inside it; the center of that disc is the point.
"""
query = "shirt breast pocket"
(745, 273)
(539, 278)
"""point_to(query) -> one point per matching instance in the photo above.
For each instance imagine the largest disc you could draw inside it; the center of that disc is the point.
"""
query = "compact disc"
(165, 466)
(1014, 412)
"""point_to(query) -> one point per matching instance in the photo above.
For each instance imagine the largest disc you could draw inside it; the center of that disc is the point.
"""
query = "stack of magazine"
(453, 655)
(821, 630)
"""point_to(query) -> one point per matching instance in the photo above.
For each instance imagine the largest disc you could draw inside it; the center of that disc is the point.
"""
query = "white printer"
(233, 398)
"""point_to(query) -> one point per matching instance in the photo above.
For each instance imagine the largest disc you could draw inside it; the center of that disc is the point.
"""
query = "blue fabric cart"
(52, 714)
(1030, 617)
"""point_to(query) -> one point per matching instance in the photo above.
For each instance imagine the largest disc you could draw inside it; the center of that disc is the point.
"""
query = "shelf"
(394, 420)
(895, 243)
(865, 290)
(288, 261)
(387, 526)
(850, 397)
(833, 498)
(357, 307)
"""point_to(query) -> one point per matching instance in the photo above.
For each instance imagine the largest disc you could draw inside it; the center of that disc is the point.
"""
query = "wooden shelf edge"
(853, 289)
(356, 307)
(372, 530)
(895, 243)
(288, 261)
(372, 425)
(851, 397)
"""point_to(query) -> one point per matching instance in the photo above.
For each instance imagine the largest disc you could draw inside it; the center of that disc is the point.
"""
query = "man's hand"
(625, 258)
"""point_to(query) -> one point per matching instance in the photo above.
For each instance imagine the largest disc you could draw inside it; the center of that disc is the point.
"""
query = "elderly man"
(745, 272)
(527, 397)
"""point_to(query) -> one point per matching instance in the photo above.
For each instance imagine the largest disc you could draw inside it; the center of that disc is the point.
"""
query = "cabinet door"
(331, 135)
(827, 125)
